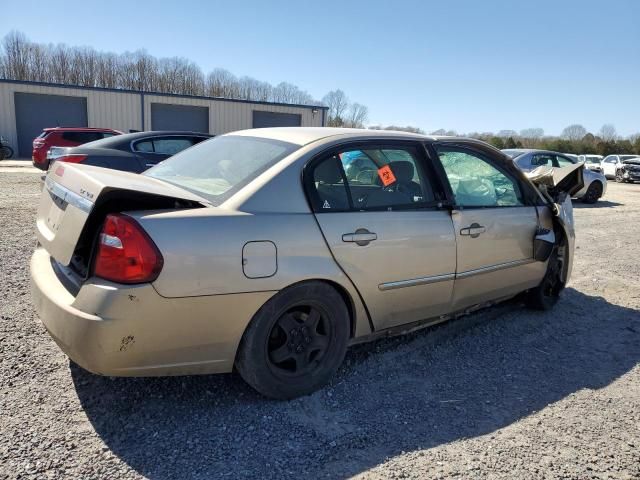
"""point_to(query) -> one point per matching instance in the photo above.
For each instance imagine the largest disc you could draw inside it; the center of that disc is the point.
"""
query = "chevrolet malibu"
(270, 251)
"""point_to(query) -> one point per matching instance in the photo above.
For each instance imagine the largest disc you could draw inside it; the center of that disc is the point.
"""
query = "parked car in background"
(628, 170)
(571, 156)
(592, 162)
(595, 184)
(614, 163)
(65, 137)
(255, 252)
(6, 151)
(132, 152)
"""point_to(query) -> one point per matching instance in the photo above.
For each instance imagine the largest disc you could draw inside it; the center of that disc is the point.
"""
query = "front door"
(378, 210)
(494, 229)
(609, 166)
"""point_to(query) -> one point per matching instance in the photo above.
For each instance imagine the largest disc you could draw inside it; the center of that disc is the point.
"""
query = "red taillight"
(76, 158)
(126, 254)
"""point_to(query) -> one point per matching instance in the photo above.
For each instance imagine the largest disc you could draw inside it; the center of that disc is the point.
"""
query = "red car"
(65, 137)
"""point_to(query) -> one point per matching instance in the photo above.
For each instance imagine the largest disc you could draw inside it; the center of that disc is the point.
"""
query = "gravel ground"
(504, 393)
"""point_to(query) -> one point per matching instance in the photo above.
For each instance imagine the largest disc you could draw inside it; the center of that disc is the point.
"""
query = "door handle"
(361, 237)
(474, 230)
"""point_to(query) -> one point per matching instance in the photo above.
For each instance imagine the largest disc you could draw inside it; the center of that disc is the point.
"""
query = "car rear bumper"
(119, 330)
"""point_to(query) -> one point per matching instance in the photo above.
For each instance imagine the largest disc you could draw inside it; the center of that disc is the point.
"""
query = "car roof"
(305, 135)
(126, 138)
(535, 150)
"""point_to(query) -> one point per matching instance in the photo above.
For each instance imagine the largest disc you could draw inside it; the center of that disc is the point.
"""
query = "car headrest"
(402, 170)
(328, 172)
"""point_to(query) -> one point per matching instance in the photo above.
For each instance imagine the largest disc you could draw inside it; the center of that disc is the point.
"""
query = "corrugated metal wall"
(123, 110)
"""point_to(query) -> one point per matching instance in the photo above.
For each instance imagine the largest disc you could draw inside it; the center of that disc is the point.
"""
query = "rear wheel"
(546, 295)
(295, 342)
(594, 192)
(6, 152)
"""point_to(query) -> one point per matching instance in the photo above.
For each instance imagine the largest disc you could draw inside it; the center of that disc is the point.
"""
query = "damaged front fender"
(558, 185)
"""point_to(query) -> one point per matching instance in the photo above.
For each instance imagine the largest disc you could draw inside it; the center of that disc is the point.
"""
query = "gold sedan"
(272, 250)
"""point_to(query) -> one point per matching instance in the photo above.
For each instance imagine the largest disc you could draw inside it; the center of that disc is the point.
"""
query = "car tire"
(546, 295)
(619, 177)
(593, 193)
(295, 342)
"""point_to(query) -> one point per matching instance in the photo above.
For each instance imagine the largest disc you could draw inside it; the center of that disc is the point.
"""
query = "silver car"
(595, 183)
(269, 251)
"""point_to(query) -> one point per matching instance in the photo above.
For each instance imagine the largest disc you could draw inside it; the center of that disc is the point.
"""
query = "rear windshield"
(513, 153)
(221, 166)
(591, 159)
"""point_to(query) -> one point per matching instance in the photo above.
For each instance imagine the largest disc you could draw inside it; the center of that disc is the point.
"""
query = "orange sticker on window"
(386, 175)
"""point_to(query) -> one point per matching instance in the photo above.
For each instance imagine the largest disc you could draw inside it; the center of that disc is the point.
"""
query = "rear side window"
(476, 182)
(563, 161)
(82, 137)
(542, 159)
(376, 178)
(164, 146)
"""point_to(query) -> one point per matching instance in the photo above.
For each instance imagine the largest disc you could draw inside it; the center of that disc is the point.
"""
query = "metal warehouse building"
(28, 107)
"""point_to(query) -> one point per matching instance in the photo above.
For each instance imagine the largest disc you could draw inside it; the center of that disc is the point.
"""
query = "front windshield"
(628, 157)
(219, 167)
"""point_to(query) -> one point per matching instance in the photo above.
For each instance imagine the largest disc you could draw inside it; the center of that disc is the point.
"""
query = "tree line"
(574, 139)
(22, 59)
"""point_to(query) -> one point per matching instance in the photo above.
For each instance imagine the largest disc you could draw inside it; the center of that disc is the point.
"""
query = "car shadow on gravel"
(598, 204)
(462, 379)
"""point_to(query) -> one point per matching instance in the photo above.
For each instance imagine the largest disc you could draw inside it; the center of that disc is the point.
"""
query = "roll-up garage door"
(273, 119)
(35, 111)
(179, 117)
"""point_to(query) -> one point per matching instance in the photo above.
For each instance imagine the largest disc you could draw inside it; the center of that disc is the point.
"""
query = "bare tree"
(507, 133)
(533, 133)
(608, 132)
(357, 115)
(16, 52)
(573, 132)
(21, 59)
(338, 103)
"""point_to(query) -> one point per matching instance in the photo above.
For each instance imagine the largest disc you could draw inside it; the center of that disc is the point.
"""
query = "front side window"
(375, 178)
(475, 182)
(219, 167)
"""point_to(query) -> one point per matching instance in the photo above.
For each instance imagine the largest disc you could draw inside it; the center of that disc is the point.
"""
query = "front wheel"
(296, 341)
(619, 177)
(546, 295)
(594, 192)
(6, 153)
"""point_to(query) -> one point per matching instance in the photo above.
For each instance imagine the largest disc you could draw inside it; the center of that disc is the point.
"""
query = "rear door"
(377, 206)
(494, 228)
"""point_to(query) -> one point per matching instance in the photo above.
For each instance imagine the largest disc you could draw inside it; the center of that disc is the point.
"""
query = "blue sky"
(463, 65)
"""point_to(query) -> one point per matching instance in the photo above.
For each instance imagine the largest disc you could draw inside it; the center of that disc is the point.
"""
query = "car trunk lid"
(76, 198)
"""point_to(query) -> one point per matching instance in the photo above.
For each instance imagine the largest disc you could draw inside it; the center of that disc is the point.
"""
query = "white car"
(612, 163)
(592, 162)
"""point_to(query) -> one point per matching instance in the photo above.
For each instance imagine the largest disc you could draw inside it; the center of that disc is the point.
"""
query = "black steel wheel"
(295, 342)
